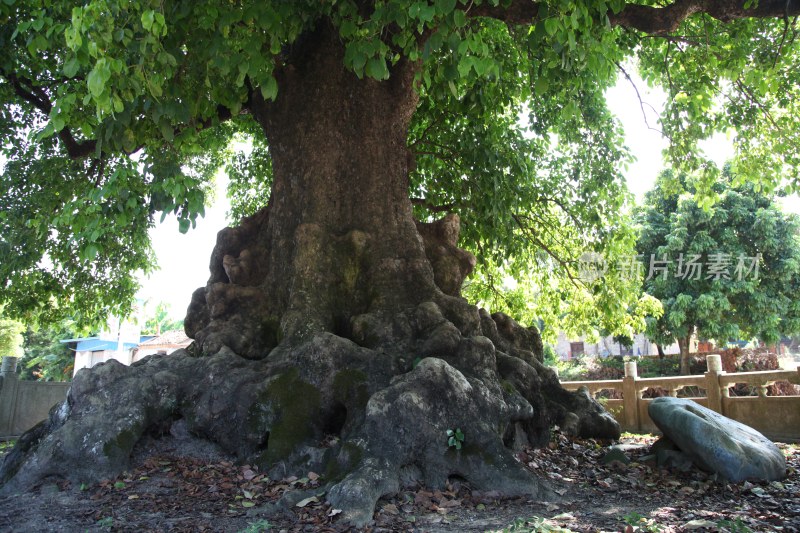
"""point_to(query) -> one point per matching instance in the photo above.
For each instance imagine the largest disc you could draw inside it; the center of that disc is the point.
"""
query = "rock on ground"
(716, 443)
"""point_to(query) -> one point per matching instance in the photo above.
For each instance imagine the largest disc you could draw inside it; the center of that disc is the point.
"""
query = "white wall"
(87, 359)
(607, 346)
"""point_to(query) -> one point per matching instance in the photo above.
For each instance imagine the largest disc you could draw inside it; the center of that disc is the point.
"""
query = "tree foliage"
(46, 358)
(10, 337)
(117, 110)
(157, 320)
(726, 273)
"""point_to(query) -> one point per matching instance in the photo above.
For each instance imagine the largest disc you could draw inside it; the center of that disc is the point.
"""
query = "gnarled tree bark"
(330, 313)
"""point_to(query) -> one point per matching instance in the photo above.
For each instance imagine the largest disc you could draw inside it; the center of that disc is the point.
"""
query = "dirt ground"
(201, 490)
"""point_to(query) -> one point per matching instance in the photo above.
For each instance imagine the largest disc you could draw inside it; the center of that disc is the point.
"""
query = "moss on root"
(296, 406)
(122, 444)
(343, 461)
(350, 388)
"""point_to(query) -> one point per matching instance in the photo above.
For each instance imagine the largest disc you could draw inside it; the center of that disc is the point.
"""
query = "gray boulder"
(717, 443)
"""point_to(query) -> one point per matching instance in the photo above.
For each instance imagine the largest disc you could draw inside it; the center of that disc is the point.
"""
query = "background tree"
(376, 119)
(726, 273)
(158, 320)
(10, 337)
(46, 358)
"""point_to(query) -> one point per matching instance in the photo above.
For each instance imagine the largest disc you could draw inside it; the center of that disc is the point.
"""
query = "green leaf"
(347, 28)
(453, 89)
(71, 67)
(459, 19)
(359, 60)
(57, 123)
(148, 17)
(154, 87)
(451, 72)
(269, 89)
(98, 77)
(167, 130)
(119, 106)
(183, 225)
(128, 140)
(445, 6)
(483, 65)
(551, 26)
(90, 252)
(36, 44)
(541, 86)
(427, 13)
(376, 68)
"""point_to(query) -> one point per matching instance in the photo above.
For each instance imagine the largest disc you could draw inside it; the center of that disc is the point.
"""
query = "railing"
(777, 417)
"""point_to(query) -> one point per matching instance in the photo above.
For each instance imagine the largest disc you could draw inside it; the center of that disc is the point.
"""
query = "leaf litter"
(168, 492)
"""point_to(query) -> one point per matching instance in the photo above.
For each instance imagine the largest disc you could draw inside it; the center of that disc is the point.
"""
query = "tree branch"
(517, 12)
(532, 236)
(642, 103)
(446, 208)
(661, 20)
(655, 20)
(34, 95)
(39, 99)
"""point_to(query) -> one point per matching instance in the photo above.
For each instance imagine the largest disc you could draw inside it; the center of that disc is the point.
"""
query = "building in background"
(571, 347)
(163, 344)
(90, 351)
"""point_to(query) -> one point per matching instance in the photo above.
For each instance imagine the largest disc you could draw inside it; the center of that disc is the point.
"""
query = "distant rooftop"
(175, 337)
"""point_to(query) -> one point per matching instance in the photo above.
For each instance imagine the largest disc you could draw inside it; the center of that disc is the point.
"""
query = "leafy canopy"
(728, 273)
(115, 111)
(10, 337)
(46, 358)
(157, 319)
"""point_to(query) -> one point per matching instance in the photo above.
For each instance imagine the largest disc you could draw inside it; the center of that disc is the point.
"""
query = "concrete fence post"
(8, 395)
(630, 397)
(9, 366)
(713, 392)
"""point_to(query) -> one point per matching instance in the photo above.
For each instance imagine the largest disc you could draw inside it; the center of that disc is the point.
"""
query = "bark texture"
(684, 345)
(331, 335)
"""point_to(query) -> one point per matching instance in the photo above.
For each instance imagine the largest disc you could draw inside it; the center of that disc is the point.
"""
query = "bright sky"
(184, 259)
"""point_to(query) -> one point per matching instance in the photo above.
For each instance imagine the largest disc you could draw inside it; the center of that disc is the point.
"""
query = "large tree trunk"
(330, 313)
(337, 240)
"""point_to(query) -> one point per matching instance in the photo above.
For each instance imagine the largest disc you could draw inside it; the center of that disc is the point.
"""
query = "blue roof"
(96, 344)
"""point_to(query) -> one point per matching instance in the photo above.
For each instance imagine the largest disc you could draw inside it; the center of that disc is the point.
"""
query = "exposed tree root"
(388, 413)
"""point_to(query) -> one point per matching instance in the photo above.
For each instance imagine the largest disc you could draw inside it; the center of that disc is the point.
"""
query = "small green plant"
(549, 355)
(736, 525)
(5, 446)
(257, 527)
(535, 524)
(642, 523)
(455, 438)
(106, 522)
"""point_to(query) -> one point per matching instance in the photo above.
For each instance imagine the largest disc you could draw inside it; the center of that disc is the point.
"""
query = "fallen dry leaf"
(302, 503)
